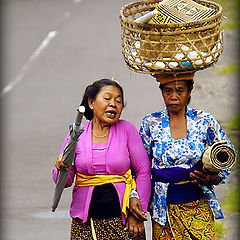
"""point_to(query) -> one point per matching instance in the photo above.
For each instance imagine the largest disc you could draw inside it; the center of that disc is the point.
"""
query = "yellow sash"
(95, 180)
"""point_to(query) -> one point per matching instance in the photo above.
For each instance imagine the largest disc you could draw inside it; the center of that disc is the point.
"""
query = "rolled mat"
(219, 156)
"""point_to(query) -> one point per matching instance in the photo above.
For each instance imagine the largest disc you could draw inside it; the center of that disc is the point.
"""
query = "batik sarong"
(187, 221)
(110, 228)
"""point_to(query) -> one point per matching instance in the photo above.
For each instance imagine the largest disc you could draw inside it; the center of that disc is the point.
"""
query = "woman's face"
(108, 105)
(176, 95)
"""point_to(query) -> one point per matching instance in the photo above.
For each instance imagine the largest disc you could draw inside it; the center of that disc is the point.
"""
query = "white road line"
(77, 1)
(51, 35)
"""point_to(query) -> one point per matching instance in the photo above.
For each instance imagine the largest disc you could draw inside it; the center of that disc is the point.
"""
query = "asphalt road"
(51, 51)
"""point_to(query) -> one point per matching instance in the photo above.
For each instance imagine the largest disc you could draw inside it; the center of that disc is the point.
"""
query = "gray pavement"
(52, 50)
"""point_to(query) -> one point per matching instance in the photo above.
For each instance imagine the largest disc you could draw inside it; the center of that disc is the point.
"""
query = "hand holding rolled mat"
(219, 156)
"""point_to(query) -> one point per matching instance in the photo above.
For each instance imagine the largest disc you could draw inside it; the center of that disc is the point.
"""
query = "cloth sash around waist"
(95, 180)
(174, 174)
(180, 188)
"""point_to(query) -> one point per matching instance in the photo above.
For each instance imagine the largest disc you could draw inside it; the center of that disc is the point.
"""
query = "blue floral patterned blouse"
(166, 152)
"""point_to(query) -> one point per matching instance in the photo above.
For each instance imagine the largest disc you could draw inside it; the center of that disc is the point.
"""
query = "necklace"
(100, 136)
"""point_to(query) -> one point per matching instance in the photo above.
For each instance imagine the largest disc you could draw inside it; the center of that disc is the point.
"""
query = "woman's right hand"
(59, 163)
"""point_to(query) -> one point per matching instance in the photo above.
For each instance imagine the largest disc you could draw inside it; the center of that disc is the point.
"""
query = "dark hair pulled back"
(91, 92)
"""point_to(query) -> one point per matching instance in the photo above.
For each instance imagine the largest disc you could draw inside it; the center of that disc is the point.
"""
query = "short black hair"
(189, 86)
(91, 92)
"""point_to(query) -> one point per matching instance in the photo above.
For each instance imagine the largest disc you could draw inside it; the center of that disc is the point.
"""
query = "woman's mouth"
(111, 114)
(172, 105)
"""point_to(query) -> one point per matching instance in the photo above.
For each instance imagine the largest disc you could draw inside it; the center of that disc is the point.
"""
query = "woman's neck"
(178, 124)
(100, 131)
(100, 126)
(177, 115)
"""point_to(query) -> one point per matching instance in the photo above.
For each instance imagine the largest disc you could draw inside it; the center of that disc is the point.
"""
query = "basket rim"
(172, 25)
(186, 31)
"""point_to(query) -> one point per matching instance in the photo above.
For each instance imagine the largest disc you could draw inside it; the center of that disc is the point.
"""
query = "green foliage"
(220, 230)
(228, 69)
(232, 203)
(234, 124)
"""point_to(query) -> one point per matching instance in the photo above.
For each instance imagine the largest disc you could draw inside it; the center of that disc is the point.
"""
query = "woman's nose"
(174, 95)
(112, 103)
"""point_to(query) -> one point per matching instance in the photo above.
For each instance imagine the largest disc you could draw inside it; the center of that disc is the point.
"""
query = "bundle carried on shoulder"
(171, 35)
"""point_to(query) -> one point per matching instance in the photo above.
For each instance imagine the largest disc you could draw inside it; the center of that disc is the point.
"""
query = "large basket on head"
(170, 47)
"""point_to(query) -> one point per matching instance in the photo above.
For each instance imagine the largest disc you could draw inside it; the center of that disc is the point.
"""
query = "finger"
(196, 179)
(135, 231)
(200, 174)
(134, 212)
(138, 213)
(196, 176)
(141, 228)
(194, 182)
(205, 170)
(131, 230)
(126, 226)
(63, 165)
(141, 216)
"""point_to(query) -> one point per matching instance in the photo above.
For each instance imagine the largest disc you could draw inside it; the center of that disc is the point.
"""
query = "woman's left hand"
(135, 208)
(205, 177)
(134, 226)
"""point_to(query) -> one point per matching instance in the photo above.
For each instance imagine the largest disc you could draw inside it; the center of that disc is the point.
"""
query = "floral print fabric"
(166, 152)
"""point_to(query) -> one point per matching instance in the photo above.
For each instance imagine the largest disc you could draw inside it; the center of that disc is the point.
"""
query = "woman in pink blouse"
(105, 152)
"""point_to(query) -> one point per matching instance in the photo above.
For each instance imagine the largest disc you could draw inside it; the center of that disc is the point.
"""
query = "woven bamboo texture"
(170, 47)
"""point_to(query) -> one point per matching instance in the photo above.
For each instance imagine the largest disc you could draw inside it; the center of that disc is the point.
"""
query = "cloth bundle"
(219, 156)
(177, 11)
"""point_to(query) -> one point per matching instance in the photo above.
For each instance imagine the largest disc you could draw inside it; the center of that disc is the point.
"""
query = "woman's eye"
(107, 98)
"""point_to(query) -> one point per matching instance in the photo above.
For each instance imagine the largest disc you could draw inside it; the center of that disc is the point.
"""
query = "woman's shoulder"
(154, 116)
(199, 114)
(124, 124)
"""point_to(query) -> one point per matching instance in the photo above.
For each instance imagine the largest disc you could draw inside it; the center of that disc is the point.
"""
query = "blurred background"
(50, 51)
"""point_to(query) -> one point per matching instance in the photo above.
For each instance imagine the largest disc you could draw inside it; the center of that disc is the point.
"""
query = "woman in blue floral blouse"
(183, 203)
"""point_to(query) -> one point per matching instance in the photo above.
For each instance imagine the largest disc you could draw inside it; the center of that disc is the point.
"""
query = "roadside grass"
(232, 201)
(230, 69)
(220, 230)
(234, 124)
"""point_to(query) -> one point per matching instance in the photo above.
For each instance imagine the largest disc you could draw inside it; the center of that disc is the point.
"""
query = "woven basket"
(170, 47)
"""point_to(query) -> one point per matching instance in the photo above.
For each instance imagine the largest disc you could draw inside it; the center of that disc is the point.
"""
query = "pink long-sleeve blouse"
(124, 150)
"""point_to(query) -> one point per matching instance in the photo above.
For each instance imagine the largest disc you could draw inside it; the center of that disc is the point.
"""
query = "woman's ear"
(90, 103)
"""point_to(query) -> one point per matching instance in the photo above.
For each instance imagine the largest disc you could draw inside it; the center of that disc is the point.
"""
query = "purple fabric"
(174, 174)
(183, 193)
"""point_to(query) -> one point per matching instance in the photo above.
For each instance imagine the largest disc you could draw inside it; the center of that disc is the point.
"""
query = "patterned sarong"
(110, 228)
(188, 221)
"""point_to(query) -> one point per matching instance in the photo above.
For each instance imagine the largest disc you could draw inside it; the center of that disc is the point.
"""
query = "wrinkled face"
(176, 95)
(108, 105)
